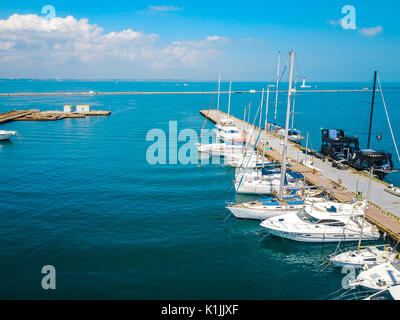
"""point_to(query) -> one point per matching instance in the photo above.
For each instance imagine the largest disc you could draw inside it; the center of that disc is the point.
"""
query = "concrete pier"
(383, 209)
(37, 115)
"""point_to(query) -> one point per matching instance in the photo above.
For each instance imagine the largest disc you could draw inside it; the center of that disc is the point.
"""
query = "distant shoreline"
(176, 80)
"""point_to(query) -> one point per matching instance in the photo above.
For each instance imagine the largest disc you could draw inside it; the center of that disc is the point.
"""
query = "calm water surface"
(79, 194)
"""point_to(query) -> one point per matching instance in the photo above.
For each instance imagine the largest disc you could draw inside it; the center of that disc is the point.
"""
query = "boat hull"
(6, 135)
(256, 189)
(320, 237)
(246, 213)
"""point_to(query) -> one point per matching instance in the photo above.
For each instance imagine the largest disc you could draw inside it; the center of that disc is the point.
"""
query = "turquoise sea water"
(79, 194)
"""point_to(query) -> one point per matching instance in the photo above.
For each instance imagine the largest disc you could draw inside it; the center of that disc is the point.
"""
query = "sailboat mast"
(284, 153)
(372, 110)
(266, 110)
(219, 86)
(276, 86)
(294, 101)
(261, 109)
(365, 210)
(229, 101)
(305, 158)
(261, 113)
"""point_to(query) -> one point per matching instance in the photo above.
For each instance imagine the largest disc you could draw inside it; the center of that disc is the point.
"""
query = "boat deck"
(384, 208)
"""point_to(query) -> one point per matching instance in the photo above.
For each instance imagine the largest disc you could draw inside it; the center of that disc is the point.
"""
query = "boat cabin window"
(331, 222)
(370, 259)
(303, 215)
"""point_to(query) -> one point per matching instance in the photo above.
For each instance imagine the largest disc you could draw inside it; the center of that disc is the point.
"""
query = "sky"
(194, 40)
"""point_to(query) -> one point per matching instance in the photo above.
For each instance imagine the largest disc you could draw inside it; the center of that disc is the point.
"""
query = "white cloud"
(334, 23)
(66, 46)
(216, 38)
(165, 8)
(210, 40)
(370, 32)
(252, 40)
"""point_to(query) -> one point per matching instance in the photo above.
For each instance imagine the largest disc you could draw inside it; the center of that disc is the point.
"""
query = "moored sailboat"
(379, 277)
(367, 256)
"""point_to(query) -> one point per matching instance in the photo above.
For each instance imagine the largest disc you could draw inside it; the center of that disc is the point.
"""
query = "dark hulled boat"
(340, 147)
(346, 149)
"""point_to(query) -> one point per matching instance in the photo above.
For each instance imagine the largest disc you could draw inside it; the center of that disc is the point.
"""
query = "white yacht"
(312, 225)
(222, 148)
(226, 130)
(6, 135)
(380, 277)
(369, 256)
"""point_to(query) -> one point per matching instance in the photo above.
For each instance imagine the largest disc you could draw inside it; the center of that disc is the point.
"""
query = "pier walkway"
(37, 115)
(12, 115)
(383, 209)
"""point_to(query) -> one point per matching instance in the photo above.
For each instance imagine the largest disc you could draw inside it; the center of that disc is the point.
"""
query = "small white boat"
(380, 277)
(221, 148)
(391, 293)
(227, 131)
(311, 225)
(6, 135)
(369, 256)
(393, 190)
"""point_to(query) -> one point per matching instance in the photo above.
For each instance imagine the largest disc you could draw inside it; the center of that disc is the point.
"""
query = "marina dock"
(37, 115)
(12, 115)
(343, 185)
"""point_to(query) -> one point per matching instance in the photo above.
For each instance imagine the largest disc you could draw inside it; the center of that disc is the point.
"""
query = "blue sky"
(196, 39)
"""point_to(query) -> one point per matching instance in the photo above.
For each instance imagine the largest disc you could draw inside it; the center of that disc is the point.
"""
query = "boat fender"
(340, 181)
